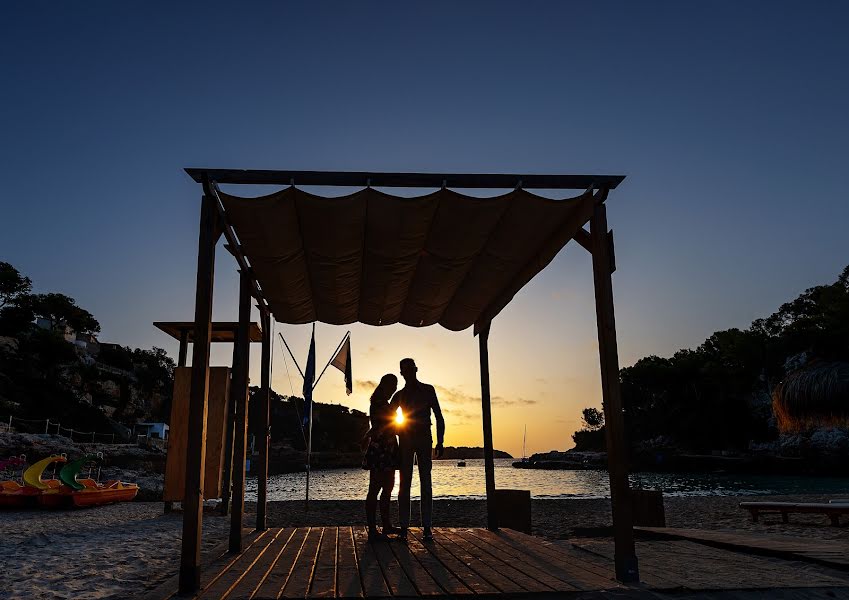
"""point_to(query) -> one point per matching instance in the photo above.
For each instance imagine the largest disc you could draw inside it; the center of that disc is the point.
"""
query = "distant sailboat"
(525, 463)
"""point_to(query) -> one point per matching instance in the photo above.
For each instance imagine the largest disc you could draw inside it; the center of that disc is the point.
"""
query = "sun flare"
(399, 417)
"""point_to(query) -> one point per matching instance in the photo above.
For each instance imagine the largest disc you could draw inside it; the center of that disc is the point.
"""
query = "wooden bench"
(832, 510)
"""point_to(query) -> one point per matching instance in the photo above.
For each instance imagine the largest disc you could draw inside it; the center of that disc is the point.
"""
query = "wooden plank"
(347, 572)
(216, 419)
(324, 575)
(254, 579)
(396, 578)
(428, 180)
(440, 573)
(371, 573)
(490, 542)
(298, 583)
(175, 459)
(422, 580)
(230, 576)
(520, 576)
(483, 568)
(459, 569)
(281, 569)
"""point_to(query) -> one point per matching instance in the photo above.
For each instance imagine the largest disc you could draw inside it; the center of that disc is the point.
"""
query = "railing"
(56, 428)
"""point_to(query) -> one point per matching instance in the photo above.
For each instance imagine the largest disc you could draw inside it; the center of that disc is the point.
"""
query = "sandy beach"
(126, 550)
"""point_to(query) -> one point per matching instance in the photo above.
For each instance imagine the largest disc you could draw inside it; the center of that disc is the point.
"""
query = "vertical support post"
(488, 462)
(229, 424)
(184, 348)
(196, 440)
(625, 556)
(264, 429)
(241, 354)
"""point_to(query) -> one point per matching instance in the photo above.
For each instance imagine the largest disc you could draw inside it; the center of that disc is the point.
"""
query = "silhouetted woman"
(381, 458)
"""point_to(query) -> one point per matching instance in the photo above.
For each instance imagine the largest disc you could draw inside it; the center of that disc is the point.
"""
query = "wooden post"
(181, 362)
(264, 428)
(196, 442)
(184, 348)
(229, 424)
(625, 557)
(488, 462)
(240, 390)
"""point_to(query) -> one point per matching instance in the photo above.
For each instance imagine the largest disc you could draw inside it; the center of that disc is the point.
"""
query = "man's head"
(408, 369)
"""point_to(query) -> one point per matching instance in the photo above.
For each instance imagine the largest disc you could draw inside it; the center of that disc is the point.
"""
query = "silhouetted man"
(416, 400)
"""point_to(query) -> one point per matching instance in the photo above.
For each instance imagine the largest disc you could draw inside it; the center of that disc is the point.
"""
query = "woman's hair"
(383, 390)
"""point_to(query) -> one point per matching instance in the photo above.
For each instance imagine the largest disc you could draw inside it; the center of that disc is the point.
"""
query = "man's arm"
(440, 422)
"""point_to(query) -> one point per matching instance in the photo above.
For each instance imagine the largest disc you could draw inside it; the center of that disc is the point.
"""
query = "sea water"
(451, 481)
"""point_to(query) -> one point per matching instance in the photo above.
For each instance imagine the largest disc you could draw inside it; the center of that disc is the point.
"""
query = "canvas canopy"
(380, 259)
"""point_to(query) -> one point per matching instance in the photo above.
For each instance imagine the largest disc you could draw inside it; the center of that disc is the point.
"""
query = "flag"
(342, 361)
(309, 380)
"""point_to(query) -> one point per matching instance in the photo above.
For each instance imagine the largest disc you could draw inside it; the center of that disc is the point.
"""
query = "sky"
(728, 119)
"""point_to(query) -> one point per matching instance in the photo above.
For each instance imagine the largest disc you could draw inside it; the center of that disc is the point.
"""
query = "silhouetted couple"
(386, 452)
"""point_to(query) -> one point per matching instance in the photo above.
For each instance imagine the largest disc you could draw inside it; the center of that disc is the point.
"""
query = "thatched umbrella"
(814, 396)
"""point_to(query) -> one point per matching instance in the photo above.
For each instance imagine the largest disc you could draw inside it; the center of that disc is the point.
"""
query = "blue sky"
(729, 120)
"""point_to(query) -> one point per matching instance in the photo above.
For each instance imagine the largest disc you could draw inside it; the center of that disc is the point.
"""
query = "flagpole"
(309, 432)
(290, 354)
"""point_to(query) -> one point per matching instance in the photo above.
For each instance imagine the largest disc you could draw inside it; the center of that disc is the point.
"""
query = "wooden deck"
(830, 553)
(339, 562)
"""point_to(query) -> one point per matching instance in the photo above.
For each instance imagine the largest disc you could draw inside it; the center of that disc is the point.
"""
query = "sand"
(125, 550)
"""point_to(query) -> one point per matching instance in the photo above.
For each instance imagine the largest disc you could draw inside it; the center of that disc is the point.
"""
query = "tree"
(62, 309)
(593, 419)
(13, 285)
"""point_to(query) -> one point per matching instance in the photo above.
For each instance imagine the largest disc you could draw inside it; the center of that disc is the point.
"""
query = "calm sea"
(451, 481)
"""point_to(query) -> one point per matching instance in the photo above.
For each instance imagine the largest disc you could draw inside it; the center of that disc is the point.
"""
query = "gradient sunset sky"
(729, 120)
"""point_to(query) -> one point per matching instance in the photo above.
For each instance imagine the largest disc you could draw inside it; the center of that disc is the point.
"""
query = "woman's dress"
(382, 452)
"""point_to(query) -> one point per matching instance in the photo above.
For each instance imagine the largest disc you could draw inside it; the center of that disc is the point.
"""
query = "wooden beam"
(196, 442)
(625, 557)
(582, 236)
(240, 437)
(486, 406)
(233, 245)
(264, 429)
(426, 180)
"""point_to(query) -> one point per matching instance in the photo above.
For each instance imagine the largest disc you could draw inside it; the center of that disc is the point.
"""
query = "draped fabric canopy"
(380, 259)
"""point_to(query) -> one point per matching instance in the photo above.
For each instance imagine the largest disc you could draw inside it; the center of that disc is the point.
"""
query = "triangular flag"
(342, 361)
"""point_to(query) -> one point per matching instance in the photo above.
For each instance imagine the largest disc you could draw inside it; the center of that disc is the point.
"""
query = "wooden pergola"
(479, 285)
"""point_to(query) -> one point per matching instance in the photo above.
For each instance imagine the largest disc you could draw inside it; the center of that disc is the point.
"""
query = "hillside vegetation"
(719, 396)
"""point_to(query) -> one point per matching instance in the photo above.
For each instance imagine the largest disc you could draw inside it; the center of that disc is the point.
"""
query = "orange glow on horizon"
(399, 417)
